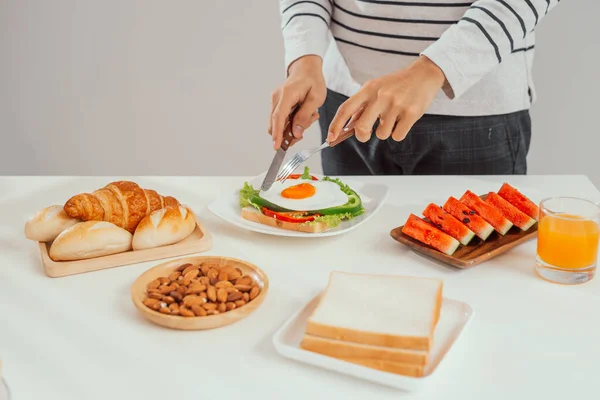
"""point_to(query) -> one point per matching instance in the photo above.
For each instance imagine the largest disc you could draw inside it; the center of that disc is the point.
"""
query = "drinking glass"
(567, 248)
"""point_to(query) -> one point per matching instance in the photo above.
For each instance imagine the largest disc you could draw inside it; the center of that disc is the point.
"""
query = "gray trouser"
(436, 145)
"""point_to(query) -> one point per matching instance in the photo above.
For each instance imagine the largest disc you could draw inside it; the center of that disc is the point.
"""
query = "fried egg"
(302, 195)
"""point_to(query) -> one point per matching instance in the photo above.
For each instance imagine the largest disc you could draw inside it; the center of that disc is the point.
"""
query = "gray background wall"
(136, 87)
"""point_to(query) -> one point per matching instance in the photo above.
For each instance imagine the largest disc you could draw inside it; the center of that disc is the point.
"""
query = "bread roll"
(48, 223)
(89, 240)
(163, 227)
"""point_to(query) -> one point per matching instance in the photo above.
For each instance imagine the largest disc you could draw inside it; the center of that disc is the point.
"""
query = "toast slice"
(390, 311)
(252, 214)
(415, 371)
(339, 349)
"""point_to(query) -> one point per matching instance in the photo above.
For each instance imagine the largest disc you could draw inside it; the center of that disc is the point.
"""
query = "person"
(429, 86)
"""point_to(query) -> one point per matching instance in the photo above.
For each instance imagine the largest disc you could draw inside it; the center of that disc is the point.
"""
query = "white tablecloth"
(80, 337)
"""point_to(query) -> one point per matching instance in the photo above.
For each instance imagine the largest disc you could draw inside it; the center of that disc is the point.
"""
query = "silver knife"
(288, 137)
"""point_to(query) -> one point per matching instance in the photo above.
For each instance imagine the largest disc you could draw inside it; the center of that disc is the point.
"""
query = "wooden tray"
(198, 241)
(476, 252)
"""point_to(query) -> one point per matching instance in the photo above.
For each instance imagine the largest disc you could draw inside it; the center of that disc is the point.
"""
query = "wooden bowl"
(138, 294)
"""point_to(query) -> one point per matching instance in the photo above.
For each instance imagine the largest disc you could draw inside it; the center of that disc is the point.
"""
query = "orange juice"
(567, 241)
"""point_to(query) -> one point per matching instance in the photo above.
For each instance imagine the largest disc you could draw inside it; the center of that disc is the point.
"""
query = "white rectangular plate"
(454, 318)
(372, 195)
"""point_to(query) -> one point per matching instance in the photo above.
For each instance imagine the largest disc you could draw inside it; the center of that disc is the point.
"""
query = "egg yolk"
(301, 191)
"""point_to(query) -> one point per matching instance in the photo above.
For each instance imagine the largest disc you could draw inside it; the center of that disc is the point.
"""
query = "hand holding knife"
(288, 139)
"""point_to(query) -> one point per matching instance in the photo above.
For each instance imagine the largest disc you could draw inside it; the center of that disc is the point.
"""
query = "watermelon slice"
(428, 234)
(487, 212)
(517, 199)
(468, 217)
(509, 211)
(448, 224)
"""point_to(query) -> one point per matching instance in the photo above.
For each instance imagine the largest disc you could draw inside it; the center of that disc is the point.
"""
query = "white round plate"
(372, 195)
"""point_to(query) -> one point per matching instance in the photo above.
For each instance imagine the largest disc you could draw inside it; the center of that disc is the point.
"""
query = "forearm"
(489, 32)
(304, 25)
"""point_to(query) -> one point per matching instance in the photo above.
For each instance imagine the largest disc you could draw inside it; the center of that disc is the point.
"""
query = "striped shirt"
(485, 48)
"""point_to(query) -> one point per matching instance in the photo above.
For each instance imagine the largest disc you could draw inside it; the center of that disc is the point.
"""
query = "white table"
(80, 337)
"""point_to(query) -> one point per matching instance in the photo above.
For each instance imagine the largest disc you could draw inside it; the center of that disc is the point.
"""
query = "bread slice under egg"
(252, 214)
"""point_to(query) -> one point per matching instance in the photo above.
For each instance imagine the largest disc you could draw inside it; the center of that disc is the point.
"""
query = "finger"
(314, 117)
(364, 126)
(387, 123)
(407, 119)
(274, 101)
(343, 114)
(355, 117)
(280, 116)
(401, 130)
(302, 120)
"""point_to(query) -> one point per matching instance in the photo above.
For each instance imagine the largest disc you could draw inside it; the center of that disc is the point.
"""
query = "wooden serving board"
(476, 252)
(198, 241)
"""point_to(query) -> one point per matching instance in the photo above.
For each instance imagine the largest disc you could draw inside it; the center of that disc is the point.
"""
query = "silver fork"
(301, 157)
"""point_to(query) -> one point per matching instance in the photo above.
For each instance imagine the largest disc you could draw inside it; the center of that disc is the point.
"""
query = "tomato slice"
(296, 216)
(297, 176)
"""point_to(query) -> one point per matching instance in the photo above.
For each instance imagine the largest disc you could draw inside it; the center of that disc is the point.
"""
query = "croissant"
(122, 203)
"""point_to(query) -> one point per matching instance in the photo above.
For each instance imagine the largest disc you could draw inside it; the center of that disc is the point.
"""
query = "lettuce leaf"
(246, 193)
(306, 174)
(343, 187)
(334, 220)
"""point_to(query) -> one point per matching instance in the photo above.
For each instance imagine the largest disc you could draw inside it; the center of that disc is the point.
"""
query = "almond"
(239, 303)
(205, 268)
(154, 284)
(223, 276)
(165, 310)
(205, 280)
(221, 295)
(209, 306)
(212, 312)
(192, 299)
(223, 284)
(185, 312)
(243, 288)
(196, 288)
(174, 307)
(185, 282)
(164, 281)
(174, 275)
(182, 290)
(234, 296)
(246, 297)
(244, 280)
(203, 295)
(222, 307)
(169, 299)
(199, 311)
(233, 275)
(213, 273)
(183, 267)
(214, 281)
(152, 303)
(176, 296)
(230, 305)
(165, 289)
(254, 292)
(153, 291)
(155, 295)
(211, 293)
(187, 269)
(231, 289)
(191, 275)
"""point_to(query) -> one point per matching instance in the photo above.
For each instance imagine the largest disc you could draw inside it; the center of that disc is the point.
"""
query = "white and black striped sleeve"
(488, 32)
(305, 27)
